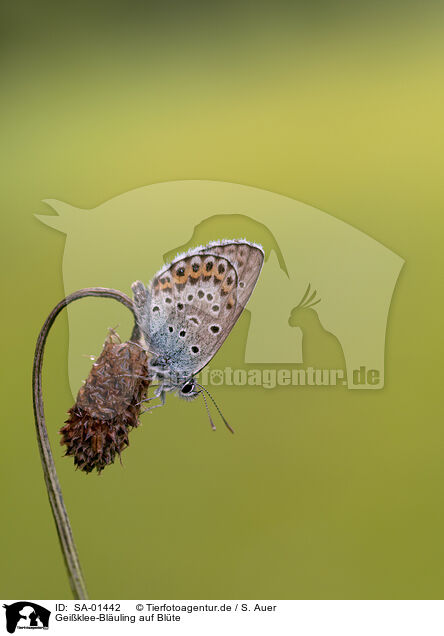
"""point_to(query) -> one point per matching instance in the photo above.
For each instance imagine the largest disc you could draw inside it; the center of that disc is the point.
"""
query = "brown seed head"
(107, 405)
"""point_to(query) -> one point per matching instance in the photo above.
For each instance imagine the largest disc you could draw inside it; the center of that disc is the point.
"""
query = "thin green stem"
(61, 518)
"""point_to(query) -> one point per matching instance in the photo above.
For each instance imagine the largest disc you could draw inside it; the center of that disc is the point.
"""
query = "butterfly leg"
(151, 408)
(153, 397)
(160, 393)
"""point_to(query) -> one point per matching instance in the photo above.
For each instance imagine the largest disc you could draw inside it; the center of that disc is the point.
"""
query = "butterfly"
(188, 309)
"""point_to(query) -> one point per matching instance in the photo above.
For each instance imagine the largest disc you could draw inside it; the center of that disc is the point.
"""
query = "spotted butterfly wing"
(192, 304)
(247, 259)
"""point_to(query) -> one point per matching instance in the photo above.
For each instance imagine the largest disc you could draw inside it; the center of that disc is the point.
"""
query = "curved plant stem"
(52, 483)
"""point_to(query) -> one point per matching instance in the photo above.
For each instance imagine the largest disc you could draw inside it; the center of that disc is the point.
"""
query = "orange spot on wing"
(230, 303)
(197, 273)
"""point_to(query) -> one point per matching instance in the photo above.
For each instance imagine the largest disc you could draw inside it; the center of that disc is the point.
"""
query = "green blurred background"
(320, 494)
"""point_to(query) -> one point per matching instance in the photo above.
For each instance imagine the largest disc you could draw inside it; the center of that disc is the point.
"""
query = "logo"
(26, 615)
(321, 304)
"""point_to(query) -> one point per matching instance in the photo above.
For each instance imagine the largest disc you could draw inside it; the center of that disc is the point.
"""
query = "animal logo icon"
(26, 614)
(354, 274)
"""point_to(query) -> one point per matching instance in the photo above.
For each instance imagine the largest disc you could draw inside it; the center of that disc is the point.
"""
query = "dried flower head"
(107, 405)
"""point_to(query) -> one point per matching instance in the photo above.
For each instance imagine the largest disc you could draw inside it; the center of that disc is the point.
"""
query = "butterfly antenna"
(208, 410)
(218, 409)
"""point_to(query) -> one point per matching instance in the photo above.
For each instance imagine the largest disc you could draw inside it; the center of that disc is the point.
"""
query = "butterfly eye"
(188, 387)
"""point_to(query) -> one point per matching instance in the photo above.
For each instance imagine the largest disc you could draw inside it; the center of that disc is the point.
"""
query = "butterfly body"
(190, 307)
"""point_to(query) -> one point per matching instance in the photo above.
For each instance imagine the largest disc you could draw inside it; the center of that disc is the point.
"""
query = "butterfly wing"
(192, 304)
(247, 258)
